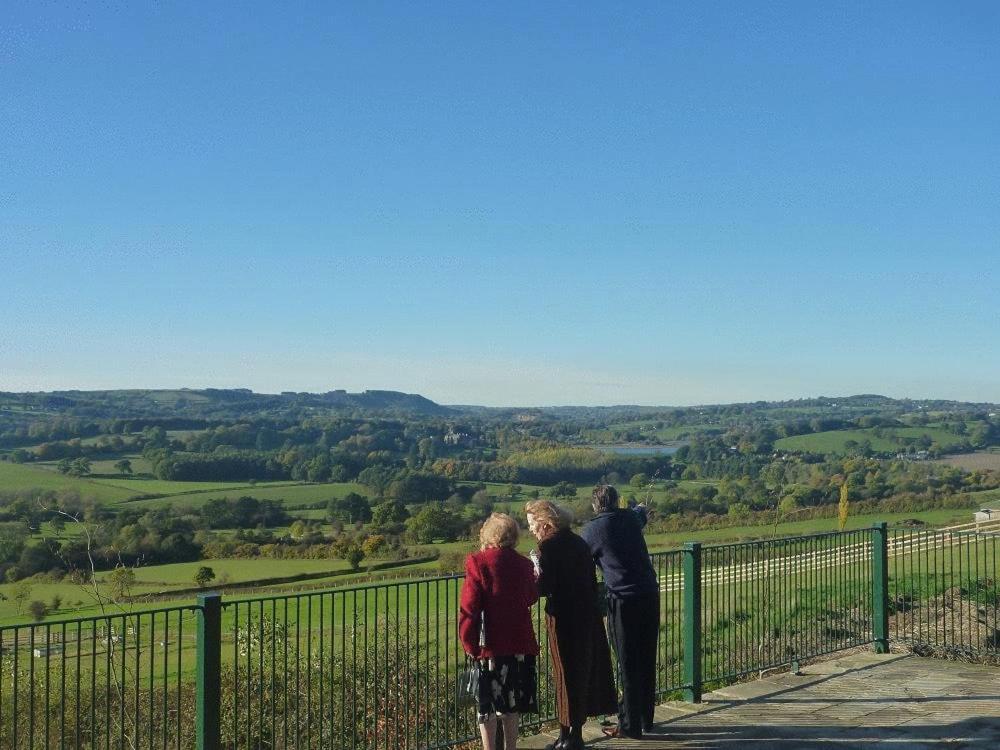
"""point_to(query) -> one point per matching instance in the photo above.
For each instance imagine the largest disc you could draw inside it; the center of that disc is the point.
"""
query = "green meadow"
(834, 441)
(14, 477)
(112, 488)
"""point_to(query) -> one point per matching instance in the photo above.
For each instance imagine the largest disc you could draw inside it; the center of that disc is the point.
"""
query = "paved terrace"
(861, 700)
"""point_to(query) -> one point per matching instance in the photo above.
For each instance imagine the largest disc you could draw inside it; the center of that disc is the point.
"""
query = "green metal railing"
(944, 592)
(116, 681)
(376, 666)
(772, 603)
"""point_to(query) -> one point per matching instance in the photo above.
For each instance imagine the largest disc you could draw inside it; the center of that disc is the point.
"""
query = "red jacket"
(500, 583)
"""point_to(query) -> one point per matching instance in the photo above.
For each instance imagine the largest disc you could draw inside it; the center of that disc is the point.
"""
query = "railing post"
(692, 622)
(209, 686)
(880, 587)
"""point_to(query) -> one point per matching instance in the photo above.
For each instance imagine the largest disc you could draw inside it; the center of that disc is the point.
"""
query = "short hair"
(499, 530)
(605, 498)
(548, 513)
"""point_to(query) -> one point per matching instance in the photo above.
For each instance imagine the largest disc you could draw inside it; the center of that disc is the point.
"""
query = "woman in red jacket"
(494, 623)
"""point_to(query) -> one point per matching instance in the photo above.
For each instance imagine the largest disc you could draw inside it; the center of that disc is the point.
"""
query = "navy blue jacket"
(619, 549)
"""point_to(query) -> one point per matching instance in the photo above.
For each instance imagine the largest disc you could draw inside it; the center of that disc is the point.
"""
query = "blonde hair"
(499, 530)
(547, 513)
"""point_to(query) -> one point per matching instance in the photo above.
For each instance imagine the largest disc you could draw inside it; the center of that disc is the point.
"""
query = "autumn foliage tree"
(843, 507)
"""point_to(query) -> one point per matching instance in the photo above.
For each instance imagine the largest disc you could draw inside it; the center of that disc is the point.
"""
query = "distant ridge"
(208, 403)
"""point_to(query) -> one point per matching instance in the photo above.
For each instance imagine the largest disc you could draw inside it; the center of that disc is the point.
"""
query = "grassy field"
(935, 518)
(114, 489)
(289, 494)
(23, 477)
(833, 441)
(80, 600)
(106, 466)
(231, 570)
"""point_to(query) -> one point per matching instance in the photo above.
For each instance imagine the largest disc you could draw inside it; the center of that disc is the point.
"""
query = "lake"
(642, 450)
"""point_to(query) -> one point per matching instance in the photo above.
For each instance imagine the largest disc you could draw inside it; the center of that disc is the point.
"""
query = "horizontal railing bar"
(192, 608)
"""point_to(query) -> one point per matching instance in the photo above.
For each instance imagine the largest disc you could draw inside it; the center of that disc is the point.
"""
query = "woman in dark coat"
(578, 643)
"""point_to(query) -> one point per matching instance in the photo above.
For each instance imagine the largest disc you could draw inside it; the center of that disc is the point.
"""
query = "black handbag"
(468, 679)
(468, 683)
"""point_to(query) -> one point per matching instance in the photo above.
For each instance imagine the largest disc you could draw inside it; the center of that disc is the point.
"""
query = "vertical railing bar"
(274, 669)
(364, 691)
(333, 660)
(437, 656)
(248, 645)
(62, 691)
(235, 606)
(180, 649)
(123, 687)
(427, 658)
(152, 671)
(322, 662)
(31, 686)
(209, 662)
(343, 660)
(298, 663)
(395, 705)
(138, 676)
(880, 587)
(932, 552)
(396, 626)
(286, 674)
(16, 684)
(309, 603)
(48, 669)
(3, 641)
(415, 656)
(692, 621)
(166, 677)
(261, 677)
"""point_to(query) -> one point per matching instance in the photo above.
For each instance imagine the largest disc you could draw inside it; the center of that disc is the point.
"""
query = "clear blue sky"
(503, 203)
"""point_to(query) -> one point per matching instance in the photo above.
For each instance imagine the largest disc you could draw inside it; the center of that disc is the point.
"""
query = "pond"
(636, 449)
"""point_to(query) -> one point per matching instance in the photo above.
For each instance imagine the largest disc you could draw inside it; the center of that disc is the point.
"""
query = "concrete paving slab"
(855, 701)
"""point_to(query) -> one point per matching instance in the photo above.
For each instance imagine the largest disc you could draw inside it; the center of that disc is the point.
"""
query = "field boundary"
(268, 582)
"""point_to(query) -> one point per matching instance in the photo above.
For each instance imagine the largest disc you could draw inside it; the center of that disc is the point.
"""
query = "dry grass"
(950, 626)
(982, 461)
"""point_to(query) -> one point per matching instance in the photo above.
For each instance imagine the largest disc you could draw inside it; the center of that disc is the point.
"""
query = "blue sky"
(506, 204)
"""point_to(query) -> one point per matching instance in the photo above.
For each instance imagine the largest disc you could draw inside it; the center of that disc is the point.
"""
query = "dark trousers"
(634, 626)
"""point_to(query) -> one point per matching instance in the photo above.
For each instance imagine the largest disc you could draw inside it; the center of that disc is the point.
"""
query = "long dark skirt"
(581, 669)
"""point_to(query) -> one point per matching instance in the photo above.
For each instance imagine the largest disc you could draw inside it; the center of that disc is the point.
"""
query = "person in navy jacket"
(618, 547)
(494, 625)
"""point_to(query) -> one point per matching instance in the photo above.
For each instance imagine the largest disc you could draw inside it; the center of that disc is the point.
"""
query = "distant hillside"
(212, 403)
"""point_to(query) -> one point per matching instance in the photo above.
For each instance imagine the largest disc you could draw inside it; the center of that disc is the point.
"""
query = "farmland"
(79, 600)
(114, 489)
(263, 488)
(979, 461)
(890, 440)
(15, 477)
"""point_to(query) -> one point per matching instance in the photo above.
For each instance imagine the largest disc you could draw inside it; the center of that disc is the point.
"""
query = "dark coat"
(578, 643)
(619, 549)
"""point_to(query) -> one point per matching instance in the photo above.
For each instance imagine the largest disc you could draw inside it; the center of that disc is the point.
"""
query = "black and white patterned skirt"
(507, 684)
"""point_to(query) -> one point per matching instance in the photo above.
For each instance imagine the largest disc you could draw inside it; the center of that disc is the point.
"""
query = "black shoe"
(557, 745)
